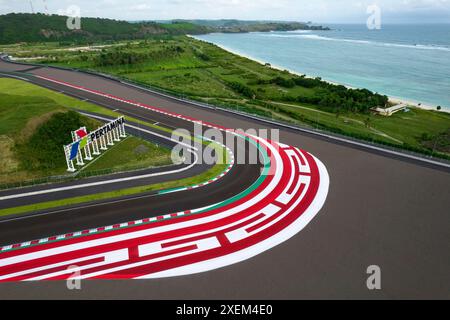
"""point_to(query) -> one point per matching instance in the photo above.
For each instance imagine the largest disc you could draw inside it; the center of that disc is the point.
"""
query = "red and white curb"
(282, 205)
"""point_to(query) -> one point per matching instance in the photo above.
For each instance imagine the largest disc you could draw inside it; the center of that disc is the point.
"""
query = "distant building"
(387, 112)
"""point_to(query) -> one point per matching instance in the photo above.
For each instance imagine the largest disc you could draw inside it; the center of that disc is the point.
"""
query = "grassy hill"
(236, 26)
(36, 123)
(33, 131)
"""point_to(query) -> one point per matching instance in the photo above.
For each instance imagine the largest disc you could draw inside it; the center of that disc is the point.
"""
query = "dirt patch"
(10, 169)
(7, 158)
(33, 124)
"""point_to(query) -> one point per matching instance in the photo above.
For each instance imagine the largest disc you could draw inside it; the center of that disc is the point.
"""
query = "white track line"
(249, 252)
(92, 184)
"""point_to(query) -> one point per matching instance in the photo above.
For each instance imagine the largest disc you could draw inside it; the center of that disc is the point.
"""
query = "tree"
(242, 89)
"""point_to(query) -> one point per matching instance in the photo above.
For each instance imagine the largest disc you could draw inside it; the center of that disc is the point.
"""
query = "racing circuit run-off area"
(290, 191)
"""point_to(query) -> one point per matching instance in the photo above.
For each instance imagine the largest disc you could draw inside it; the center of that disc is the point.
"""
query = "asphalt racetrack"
(380, 210)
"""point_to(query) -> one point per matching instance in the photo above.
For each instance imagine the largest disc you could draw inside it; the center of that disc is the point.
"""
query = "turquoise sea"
(411, 62)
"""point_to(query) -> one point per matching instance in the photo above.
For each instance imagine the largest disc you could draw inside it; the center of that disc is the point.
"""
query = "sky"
(319, 11)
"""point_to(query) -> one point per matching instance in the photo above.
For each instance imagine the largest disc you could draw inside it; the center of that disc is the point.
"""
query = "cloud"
(141, 6)
(303, 10)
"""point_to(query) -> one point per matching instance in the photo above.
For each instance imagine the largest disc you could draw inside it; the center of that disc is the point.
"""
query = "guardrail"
(440, 161)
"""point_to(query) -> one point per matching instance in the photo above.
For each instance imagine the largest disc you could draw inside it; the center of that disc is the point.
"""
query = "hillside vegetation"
(238, 26)
(33, 131)
(42, 150)
(24, 27)
(36, 123)
(161, 56)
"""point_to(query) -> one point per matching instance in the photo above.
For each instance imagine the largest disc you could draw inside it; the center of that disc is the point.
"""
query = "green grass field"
(130, 154)
(203, 72)
(26, 108)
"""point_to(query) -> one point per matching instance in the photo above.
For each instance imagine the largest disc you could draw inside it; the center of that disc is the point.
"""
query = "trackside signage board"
(113, 125)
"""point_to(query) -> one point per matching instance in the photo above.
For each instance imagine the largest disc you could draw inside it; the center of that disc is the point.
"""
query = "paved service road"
(380, 211)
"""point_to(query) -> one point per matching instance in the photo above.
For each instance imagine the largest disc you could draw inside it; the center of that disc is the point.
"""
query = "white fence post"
(70, 166)
(95, 148)
(116, 134)
(109, 138)
(122, 130)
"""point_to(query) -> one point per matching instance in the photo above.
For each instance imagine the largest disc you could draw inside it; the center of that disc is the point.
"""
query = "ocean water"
(411, 62)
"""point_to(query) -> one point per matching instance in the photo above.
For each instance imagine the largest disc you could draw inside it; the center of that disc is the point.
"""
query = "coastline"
(393, 99)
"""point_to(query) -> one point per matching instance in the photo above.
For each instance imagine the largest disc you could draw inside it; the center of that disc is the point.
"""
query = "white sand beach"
(395, 100)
